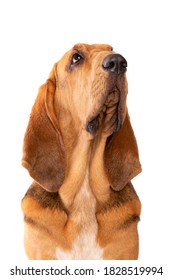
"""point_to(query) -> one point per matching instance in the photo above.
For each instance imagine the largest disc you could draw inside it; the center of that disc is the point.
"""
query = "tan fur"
(81, 204)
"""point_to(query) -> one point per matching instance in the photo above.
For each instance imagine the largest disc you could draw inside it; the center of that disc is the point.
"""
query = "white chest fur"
(85, 246)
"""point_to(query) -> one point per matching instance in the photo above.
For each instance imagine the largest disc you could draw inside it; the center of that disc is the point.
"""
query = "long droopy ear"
(121, 156)
(43, 154)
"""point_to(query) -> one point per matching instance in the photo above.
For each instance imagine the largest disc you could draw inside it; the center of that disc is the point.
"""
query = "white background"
(34, 35)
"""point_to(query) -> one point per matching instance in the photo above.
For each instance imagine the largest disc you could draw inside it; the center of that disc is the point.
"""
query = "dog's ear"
(43, 154)
(121, 156)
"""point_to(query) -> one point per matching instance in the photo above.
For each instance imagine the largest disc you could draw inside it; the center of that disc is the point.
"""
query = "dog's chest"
(85, 245)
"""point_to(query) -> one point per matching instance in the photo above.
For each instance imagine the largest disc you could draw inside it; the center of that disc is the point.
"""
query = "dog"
(81, 151)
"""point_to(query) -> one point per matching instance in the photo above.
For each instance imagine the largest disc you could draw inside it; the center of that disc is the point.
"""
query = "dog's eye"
(76, 58)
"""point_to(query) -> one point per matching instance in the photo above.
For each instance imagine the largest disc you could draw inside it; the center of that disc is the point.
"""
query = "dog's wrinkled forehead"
(79, 53)
(86, 51)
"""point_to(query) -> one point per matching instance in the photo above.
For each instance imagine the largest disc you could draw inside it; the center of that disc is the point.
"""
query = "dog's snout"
(115, 63)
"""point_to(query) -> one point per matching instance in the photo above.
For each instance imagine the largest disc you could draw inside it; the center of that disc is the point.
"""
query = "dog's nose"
(115, 63)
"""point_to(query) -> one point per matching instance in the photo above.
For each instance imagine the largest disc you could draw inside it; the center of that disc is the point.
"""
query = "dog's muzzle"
(115, 65)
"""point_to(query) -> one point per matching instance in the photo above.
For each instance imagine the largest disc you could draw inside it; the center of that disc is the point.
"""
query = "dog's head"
(91, 84)
(86, 89)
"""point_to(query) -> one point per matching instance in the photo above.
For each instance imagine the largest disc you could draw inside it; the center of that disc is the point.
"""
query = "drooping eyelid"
(79, 52)
(70, 67)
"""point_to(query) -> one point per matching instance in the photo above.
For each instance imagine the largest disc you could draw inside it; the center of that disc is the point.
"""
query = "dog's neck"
(83, 152)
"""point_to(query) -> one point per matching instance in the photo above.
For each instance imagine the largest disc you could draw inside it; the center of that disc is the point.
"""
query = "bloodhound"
(80, 149)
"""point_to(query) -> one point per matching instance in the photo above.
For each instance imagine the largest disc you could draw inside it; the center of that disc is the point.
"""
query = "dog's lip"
(112, 98)
(93, 125)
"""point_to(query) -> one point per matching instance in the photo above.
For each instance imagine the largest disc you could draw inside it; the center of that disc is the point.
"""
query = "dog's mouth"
(93, 125)
(107, 112)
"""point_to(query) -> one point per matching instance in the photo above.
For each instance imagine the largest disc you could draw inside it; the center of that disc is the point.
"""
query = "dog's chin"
(111, 101)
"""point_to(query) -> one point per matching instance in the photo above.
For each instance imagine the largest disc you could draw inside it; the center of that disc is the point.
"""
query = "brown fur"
(65, 161)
